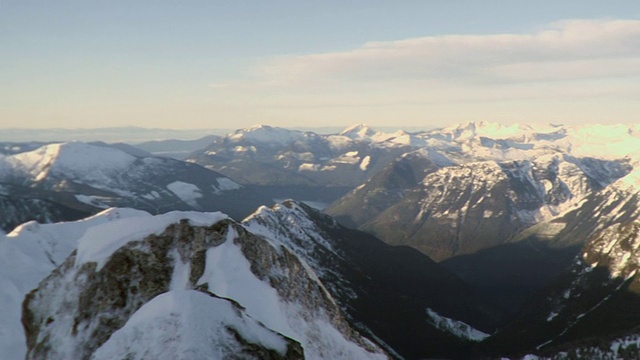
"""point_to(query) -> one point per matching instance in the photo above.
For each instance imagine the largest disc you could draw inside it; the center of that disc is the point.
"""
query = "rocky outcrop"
(87, 306)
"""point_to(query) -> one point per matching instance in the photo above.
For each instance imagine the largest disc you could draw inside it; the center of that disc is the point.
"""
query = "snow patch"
(187, 324)
(92, 200)
(226, 184)
(188, 193)
(455, 327)
(308, 167)
(365, 163)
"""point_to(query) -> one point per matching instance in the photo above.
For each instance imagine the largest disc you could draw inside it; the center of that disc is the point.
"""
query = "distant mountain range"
(469, 241)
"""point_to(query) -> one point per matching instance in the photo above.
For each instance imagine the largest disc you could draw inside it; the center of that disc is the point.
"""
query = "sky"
(232, 64)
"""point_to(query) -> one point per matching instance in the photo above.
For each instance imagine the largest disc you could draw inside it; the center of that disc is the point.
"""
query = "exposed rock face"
(460, 209)
(385, 189)
(88, 309)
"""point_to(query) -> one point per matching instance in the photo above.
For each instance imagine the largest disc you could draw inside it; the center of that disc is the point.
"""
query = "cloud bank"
(572, 60)
(570, 49)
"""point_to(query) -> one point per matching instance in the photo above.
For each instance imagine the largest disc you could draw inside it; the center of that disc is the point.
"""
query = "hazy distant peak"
(358, 132)
(494, 130)
(267, 134)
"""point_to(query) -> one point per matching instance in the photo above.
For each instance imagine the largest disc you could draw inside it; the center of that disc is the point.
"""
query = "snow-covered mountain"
(185, 285)
(464, 191)
(542, 169)
(485, 199)
(464, 208)
(265, 155)
(87, 177)
(535, 228)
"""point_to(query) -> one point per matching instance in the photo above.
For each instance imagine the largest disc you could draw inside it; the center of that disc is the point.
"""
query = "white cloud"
(572, 70)
(585, 48)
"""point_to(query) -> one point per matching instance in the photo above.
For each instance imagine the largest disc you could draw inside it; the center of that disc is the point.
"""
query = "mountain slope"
(385, 290)
(82, 176)
(16, 210)
(385, 189)
(598, 296)
(462, 209)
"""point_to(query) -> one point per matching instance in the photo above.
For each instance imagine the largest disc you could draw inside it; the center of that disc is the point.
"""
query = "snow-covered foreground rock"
(29, 254)
(126, 284)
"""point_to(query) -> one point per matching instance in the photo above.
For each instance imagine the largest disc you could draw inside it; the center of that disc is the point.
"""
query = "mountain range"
(477, 240)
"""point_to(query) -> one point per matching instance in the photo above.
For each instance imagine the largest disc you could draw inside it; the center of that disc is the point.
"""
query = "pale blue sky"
(316, 63)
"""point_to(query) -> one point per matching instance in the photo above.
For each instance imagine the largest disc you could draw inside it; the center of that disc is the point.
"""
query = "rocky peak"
(94, 302)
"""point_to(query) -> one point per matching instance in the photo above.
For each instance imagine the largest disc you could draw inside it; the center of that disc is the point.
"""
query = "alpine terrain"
(478, 240)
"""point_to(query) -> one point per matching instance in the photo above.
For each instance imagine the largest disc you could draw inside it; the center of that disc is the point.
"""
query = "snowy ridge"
(101, 166)
(488, 181)
(229, 275)
(288, 224)
(358, 132)
(101, 241)
(75, 159)
(486, 140)
(341, 159)
(302, 158)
